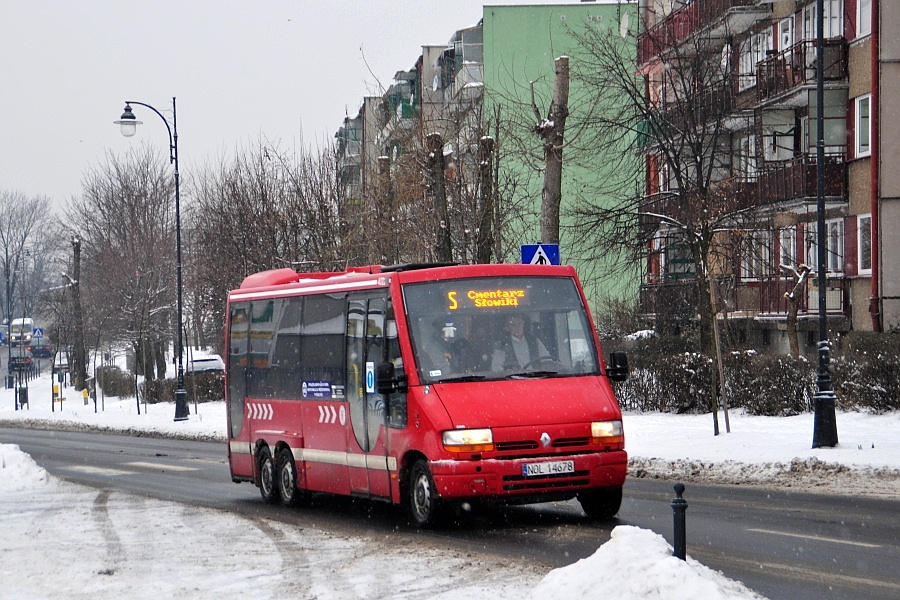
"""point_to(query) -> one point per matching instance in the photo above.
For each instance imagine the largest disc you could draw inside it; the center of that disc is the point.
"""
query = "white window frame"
(787, 237)
(834, 246)
(785, 33)
(833, 22)
(864, 244)
(752, 52)
(756, 255)
(863, 18)
(863, 126)
(745, 157)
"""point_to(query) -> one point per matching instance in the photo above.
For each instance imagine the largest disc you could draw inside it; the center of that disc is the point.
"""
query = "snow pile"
(18, 472)
(637, 564)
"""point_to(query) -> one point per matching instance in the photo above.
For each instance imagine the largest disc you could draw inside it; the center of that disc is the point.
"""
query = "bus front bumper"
(507, 479)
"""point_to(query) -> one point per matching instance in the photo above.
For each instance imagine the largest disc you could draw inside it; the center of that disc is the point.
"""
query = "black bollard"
(679, 506)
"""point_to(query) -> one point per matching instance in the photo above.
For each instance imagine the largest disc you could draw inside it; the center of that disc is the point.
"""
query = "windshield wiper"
(532, 374)
(460, 378)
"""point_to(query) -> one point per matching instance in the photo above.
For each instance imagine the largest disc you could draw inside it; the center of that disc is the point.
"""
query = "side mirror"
(617, 367)
(386, 380)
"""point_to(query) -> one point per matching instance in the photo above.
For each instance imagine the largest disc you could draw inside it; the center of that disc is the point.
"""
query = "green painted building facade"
(521, 44)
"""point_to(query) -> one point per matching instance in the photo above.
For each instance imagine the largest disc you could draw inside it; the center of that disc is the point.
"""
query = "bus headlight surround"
(468, 440)
(607, 432)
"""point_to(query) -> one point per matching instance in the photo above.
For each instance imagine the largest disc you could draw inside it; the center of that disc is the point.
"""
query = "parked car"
(213, 362)
(41, 350)
(20, 361)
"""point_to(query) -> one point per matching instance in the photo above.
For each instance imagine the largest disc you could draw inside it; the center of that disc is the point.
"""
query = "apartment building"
(452, 89)
(760, 88)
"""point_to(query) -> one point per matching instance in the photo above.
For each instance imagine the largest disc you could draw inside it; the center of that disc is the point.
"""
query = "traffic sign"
(540, 254)
(37, 332)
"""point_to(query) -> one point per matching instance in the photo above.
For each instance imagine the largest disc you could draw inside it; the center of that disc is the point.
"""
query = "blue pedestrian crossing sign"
(540, 254)
(37, 332)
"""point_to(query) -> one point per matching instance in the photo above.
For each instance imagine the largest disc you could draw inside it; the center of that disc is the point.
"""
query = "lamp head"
(128, 122)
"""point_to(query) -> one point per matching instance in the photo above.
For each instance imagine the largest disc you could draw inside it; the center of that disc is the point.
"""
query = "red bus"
(423, 385)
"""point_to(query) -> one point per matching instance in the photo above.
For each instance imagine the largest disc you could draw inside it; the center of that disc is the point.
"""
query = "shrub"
(203, 386)
(115, 382)
(664, 377)
(768, 385)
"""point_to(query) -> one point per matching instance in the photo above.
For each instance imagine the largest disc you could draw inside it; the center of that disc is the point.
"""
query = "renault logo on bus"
(545, 439)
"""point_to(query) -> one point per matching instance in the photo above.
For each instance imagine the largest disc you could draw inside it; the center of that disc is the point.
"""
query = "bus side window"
(239, 320)
(396, 402)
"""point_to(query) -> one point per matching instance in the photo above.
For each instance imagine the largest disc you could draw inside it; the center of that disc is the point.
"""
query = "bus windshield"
(495, 328)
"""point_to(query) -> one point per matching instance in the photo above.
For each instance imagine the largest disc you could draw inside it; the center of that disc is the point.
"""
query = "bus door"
(240, 446)
(367, 441)
(322, 390)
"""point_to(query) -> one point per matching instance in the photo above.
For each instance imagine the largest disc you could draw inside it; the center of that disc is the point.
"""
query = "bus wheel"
(422, 502)
(601, 504)
(290, 494)
(267, 476)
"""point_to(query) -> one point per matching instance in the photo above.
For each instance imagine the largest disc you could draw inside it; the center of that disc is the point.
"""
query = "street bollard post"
(679, 506)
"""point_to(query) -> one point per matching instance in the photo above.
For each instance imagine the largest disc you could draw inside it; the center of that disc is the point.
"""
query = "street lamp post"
(824, 420)
(129, 124)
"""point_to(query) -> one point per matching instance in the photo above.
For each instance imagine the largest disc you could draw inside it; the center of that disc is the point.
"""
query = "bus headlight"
(468, 440)
(607, 433)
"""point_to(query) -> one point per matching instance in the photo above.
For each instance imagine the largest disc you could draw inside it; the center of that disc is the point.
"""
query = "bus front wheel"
(422, 502)
(601, 504)
(266, 475)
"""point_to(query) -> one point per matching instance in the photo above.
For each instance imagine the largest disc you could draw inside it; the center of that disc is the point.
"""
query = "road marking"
(97, 470)
(159, 466)
(816, 537)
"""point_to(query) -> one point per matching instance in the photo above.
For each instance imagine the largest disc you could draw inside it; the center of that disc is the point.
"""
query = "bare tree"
(690, 208)
(25, 247)
(266, 209)
(125, 220)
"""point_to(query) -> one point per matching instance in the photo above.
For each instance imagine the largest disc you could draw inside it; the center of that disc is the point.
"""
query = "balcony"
(772, 301)
(797, 179)
(795, 67)
(681, 23)
(670, 303)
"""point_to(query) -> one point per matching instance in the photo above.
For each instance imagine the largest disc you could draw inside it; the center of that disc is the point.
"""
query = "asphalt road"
(783, 544)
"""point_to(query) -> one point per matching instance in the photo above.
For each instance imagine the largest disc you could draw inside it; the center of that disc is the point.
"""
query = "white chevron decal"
(327, 414)
(260, 411)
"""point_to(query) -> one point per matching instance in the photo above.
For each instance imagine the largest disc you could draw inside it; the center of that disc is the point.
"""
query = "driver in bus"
(519, 348)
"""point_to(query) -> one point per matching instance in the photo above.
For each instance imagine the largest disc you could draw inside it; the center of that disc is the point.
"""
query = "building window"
(864, 247)
(676, 259)
(785, 34)
(787, 239)
(752, 52)
(863, 18)
(756, 254)
(833, 20)
(863, 126)
(745, 157)
(834, 246)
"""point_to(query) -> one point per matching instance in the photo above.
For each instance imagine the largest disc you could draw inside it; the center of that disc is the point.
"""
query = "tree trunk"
(801, 274)
(384, 235)
(485, 239)
(79, 369)
(443, 249)
(552, 130)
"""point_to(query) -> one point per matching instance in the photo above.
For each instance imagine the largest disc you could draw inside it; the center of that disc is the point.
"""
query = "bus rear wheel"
(601, 504)
(266, 474)
(291, 494)
(422, 502)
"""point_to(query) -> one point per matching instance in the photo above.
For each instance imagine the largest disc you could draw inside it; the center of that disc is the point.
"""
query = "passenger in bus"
(444, 349)
(518, 348)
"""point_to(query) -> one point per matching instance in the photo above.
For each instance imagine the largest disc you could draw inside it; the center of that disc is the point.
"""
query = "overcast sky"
(286, 71)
